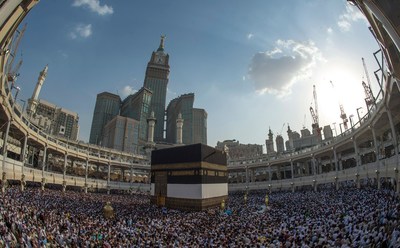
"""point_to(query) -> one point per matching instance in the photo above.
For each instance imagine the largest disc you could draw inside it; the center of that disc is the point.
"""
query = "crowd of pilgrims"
(348, 217)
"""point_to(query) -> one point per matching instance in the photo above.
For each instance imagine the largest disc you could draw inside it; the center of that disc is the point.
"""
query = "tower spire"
(161, 47)
(33, 101)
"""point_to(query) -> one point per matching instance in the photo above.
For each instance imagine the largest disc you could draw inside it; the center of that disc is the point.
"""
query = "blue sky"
(251, 64)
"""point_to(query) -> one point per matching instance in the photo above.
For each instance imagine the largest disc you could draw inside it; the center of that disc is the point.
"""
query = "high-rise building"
(137, 106)
(183, 105)
(328, 134)
(66, 124)
(156, 79)
(199, 126)
(106, 108)
(194, 120)
(55, 120)
(306, 140)
(280, 145)
(172, 116)
(121, 133)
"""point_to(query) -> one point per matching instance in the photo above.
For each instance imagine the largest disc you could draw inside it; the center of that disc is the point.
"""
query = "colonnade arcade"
(43, 158)
(368, 152)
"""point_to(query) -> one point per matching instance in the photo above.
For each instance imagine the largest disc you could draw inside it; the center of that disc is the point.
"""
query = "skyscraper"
(280, 146)
(121, 133)
(137, 106)
(106, 108)
(194, 120)
(199, 126)
(172, 116)
(184, 105)
(156, 80)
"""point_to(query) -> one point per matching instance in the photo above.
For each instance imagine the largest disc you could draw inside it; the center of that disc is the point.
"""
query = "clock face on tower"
(159, 60)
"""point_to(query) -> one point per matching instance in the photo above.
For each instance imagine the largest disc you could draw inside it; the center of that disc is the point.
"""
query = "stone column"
(123, 174)
(43, 166)
(269, 174)
(395, 145)
(307, 168)
(247, 176)
(340, 162)
(65, 172)
(292, 169)
(378, 161)
(23, 150)
(278, 172)
(292, 172)
(357, 158)
(131, 180)
(299, 169)
(108, 178)
(314, 168)
(23, 159)
(336, 169)
(4, 152)
(86, 174)
(319, 166)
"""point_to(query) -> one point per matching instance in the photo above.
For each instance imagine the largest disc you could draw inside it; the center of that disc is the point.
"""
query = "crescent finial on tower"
(161, 48)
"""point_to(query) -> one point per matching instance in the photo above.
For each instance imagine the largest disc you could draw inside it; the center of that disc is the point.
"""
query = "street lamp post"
(334, 126)
(23, 106)
(247, 176)
(4, 152)
(351, 121)
(358, 114)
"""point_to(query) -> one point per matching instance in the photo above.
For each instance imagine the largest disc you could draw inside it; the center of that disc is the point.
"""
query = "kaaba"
(191, 177)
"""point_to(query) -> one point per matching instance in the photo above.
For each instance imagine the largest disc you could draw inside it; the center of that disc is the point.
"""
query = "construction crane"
(314, 114)
(343, 115)
(12, 73)
(369, 97)
(282, 129)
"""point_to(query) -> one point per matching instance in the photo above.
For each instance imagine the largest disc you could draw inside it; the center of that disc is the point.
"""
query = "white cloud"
(250, 36)
(127, 90)
(94, 6)
(81, 30)
(329, 30)
(276, 74)
(351, 14)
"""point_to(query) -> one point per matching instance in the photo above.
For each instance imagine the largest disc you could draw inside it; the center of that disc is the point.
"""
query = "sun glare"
(339, 85)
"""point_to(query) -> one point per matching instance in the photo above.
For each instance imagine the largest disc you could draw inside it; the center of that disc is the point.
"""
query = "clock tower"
(156, 79)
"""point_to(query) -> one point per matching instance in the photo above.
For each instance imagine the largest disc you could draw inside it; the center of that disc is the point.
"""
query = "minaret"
(270, 134)
(289, 145)
(270, 143)
(33, 102)
(151, 122)
(179, 125)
